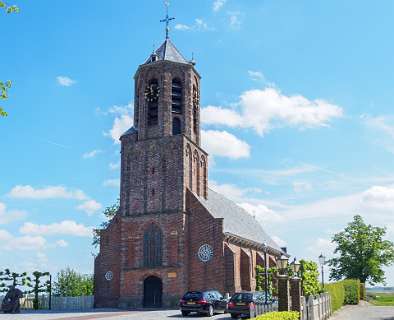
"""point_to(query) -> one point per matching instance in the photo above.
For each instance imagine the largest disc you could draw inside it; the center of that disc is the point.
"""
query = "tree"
(109, 213)
(4, 86)
(38, 287)
(309, 275)
(8, 278)
(72, 284)
(362, 253)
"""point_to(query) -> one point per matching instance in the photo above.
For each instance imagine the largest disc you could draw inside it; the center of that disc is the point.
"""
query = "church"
(173, 233)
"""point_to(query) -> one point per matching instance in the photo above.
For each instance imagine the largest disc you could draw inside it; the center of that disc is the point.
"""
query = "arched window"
(176, 126)
(190, 162)
(153, 239)
(204, 177)
(176, 96)
(152, 92)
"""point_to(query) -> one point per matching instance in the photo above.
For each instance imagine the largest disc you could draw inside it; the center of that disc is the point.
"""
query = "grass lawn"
(381, 299)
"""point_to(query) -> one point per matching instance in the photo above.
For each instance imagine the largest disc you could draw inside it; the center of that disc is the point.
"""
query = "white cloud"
(9, 242)
(122, 122)
(7, 216)
(256, 75)
(61, 243)
(322, 245)
(198, 25)
(224, 144)
(218, 4)
(267, 108)
(182, 27)
(50, 192)
(382, 123)
(234, 20)
(66, 227)
(261, 212)
(91, 154)
(114, 166)
(65, 81)
(111, 183)
(231, 191)
(301, 186)
(90, 206)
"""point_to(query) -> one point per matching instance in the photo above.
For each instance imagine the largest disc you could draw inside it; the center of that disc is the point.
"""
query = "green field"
(381, 299)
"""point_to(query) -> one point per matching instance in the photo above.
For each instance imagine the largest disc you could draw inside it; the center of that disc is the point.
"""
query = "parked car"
(243, 304)
(203, 302)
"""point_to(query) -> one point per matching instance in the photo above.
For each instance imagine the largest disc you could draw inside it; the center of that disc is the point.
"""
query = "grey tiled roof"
(236, 220)
(130, 131)
(168, 51)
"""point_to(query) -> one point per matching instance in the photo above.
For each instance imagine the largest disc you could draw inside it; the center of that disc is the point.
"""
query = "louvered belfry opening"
(176, 96)
(153, 246)
(153, 102)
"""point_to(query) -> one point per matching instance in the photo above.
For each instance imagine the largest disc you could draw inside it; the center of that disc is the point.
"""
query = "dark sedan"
(203, 302)
(243, 304)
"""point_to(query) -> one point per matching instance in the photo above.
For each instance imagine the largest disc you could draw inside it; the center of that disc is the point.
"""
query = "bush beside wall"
(352, 291)
(291, 315)
(337, 293)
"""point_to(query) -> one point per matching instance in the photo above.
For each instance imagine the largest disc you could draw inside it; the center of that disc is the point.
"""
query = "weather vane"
(167, 18)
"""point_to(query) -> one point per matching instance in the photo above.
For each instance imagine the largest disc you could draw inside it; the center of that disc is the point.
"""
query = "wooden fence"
(82, 303)
(316, 308)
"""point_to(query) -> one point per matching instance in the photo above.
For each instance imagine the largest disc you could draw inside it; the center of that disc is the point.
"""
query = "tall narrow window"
(196, 102)
(152, 92)
(176, 96)
(153, 240)
(176, 126)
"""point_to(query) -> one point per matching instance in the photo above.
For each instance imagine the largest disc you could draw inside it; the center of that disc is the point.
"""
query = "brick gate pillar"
(283, 293)
(295, 293)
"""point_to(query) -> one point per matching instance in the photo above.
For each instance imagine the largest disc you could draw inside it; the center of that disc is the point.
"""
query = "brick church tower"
(172, 233)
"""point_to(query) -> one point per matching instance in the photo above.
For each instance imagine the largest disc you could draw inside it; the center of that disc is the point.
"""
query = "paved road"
(121, 315)
(364, 312)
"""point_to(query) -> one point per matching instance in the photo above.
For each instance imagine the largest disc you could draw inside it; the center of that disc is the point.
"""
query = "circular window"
(109, 275)
(205, 253)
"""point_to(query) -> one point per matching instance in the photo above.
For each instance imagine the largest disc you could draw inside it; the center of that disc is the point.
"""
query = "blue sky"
(299, 92)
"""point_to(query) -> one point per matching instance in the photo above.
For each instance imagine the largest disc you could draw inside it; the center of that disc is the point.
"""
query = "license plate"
(191, 303)
(240, 304)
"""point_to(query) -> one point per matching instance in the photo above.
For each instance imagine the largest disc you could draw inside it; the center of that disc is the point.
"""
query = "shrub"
(337, 293)
(310, 275)
(352, 291)
(287, 315)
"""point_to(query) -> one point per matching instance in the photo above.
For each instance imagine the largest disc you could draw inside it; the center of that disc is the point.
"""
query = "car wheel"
(210, 311)
(185, 313)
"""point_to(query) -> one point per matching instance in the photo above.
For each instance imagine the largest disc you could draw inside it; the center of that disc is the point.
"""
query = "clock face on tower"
(205, 253)
(152, 92)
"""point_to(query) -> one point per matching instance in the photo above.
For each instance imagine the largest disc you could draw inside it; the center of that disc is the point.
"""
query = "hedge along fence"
(344, 292)
(287, 315)
(337, 293)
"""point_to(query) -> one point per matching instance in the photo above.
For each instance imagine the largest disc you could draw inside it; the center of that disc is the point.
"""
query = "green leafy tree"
(309, 275)
(4, 86)
(8, 278)
(72, 284)
(109, 213)
(362, 252)
(38, 286)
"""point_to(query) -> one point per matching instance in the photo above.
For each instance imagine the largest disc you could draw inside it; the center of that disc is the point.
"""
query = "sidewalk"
(364, 311)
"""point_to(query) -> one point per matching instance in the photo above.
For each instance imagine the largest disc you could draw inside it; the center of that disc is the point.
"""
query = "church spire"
(167, 19)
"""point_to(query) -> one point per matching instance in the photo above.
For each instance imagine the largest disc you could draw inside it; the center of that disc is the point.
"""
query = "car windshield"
(244, 297)
(192, 295)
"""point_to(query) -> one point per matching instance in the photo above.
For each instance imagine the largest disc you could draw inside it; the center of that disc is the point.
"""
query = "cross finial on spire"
(167, 19)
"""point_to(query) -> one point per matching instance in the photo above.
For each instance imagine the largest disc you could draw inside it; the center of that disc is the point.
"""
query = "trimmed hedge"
(290, 315)
(337, 293)
(352, 291)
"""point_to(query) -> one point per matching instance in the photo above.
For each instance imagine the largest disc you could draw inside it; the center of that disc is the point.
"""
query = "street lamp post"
(322, 261)
(265, 273)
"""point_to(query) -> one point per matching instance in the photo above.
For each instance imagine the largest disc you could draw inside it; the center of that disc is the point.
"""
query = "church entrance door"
(153, 290)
